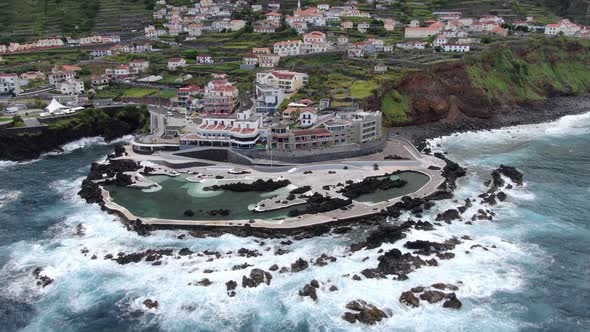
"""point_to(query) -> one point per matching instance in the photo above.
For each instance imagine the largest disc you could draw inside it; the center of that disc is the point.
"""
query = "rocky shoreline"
(392, 264)
(536, 113)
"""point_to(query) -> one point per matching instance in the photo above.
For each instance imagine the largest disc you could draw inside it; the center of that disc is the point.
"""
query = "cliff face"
(110, 124)
(490, 84)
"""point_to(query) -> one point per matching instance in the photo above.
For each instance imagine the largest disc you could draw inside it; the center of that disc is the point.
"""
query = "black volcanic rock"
(364, 313)
(370, 185)
(257, 186)
(150, 304)
(230, 287)
(385, 233)
(394, 262)
(512, 173)
(257, 277)
(452, 302)
(317, 203)
(432, 296)
(108, 123)
(427, 247)
(299, 265)
(42, 280)
(448, 216)
(408, 298)
(324, 260)
(309, 290)
(452, 171)
(300, 190)
(150, 255)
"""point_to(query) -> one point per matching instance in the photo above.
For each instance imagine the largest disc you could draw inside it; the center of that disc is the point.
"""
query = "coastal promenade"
(314, 175)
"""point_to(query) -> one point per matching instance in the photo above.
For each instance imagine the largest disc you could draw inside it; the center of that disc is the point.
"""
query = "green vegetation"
(131, 116)
(25, 19)
(362, 89)
(139, 92)
(532, 71)
(17, 121)
(395, 108)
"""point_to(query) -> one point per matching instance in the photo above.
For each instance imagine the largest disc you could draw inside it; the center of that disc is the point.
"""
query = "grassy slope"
(37, 18)
(540, 69)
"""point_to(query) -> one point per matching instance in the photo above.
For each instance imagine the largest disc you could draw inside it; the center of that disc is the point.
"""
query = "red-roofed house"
(175, 63)
(314, 42)
(220, 97)
(431, 30)
(139, 65)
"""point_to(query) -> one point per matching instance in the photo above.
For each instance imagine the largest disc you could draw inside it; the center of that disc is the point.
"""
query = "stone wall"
(319, 155)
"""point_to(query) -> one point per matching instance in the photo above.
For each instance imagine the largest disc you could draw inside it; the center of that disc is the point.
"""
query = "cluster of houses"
(302, 125)
(567, 28)
(204, 15)
(140, 47)
(63, 78)
(49, 43)
(216, 16)
(313, 42)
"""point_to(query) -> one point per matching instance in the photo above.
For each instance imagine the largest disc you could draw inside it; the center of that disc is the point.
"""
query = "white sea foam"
(81, 282)
(82, 143)
(565, 126)
(8, 196)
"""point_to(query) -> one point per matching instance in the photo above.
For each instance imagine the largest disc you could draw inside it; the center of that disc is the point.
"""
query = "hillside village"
(249, 75)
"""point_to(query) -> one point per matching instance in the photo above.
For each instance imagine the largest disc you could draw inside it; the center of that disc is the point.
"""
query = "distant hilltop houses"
(44, 44)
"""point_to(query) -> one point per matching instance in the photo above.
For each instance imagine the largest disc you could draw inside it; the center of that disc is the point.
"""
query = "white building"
(287, 48)
(456, 48)
(440, 40)
(60, 76)
(308, 117)
(10, 84)
(314, 42)
(287, 80)
(71, 87)
(565, 27)
(122, 71)
(176, 63)
(195, 30)
(139, 65)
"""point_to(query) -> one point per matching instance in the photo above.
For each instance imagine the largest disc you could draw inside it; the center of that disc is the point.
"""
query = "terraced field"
(27, 19)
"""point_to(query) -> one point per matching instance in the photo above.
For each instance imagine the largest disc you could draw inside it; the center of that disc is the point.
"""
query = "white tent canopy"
(55, 106)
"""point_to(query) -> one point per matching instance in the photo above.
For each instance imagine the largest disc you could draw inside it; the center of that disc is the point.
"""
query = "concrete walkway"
(322, 174)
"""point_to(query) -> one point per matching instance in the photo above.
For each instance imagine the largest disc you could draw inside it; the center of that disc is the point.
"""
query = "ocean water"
(537, 277)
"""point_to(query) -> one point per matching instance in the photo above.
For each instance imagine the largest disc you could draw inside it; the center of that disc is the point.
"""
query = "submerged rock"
(150, 304)
(324, 260)
(42, 280)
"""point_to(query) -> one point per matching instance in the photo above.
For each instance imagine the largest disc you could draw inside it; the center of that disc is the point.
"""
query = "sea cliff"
(108, 123)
